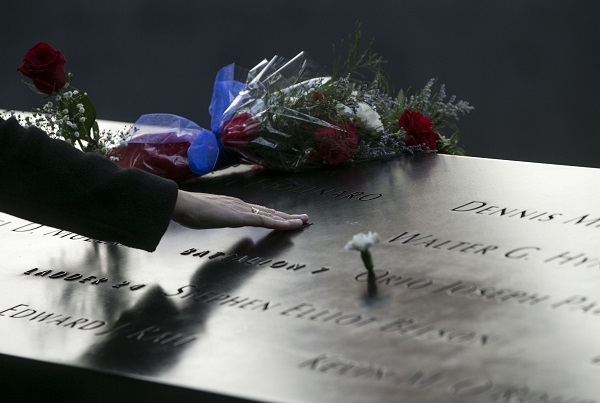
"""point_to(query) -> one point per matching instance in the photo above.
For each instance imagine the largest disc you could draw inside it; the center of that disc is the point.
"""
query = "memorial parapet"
(485, 288)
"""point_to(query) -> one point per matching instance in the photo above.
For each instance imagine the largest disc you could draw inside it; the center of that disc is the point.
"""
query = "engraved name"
(473, 292)
(154, 334)
(306, 311)
(479, 387)
(485, 208)
(564, 258)
(23, 311)
(147, 334)
(291, 186)
(31, 228)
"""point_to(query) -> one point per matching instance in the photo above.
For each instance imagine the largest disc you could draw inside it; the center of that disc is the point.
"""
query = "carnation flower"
(365, 114)
(362, 242)
(335, 146)
(418, 128)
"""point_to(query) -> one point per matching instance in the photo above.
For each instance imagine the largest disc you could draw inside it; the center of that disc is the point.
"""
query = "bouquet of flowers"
(283, 114)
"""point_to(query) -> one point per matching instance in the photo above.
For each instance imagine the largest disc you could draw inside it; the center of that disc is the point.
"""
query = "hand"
(203, 210)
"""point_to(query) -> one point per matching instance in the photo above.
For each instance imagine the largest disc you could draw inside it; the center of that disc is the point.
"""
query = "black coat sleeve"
(50, 182)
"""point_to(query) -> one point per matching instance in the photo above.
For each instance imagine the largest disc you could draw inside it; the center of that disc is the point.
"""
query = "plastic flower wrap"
(285, 114)
(290, 119)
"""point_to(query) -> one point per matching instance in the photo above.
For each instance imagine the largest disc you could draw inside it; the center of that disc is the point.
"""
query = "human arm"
(49, 182)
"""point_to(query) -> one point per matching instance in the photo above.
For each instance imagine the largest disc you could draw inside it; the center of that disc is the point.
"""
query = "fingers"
(276, 223)
(276, 215)
(202, 210)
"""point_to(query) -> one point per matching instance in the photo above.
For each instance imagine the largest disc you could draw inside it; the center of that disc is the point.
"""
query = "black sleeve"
(50, 182)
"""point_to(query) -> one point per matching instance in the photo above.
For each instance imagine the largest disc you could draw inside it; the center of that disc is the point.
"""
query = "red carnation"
(46, 67)
(418, 129)
(335, 146)
(240, 130)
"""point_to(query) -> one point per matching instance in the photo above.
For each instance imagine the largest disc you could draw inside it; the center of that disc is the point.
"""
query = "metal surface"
(495, 299)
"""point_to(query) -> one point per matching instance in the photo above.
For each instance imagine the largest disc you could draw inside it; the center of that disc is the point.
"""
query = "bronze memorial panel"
(486, 288)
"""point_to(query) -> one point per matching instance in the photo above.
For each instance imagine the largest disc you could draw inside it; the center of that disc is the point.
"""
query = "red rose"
(168, 160)
(335, 146)
(240, 130)
(46, 67)
(418, 129)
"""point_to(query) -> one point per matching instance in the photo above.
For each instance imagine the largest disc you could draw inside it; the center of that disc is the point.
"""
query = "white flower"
(365, 113)
(369, 116)
(362, 242)
(344, 109)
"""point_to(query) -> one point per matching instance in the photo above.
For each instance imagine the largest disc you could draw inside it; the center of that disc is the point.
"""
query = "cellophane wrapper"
(158, 144)
(281, 120)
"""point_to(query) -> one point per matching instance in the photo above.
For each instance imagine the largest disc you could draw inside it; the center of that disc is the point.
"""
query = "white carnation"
(362, 242)
(369, 117)
(365, 113)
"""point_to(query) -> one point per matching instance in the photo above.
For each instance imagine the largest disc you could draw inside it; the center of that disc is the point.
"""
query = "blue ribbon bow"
(206, 152)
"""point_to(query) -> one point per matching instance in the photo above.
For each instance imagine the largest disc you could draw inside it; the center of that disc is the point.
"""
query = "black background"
(530, 68)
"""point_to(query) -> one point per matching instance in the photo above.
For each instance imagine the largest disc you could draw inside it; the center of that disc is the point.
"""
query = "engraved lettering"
(371, 196)
(75, 322)
(140, 334)
(464, 208)
(24, 313)
(89, 278)
(27, 227)
(287, 311)
(216, 255)
(564, 257)
(14, 308)
(472, 387)
(180, 290)
(41, 317)
(584, 220)
(520, 253)
(188, 251)
(533, 299)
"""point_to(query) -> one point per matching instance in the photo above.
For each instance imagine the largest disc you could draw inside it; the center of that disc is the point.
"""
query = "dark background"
(529, 67)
